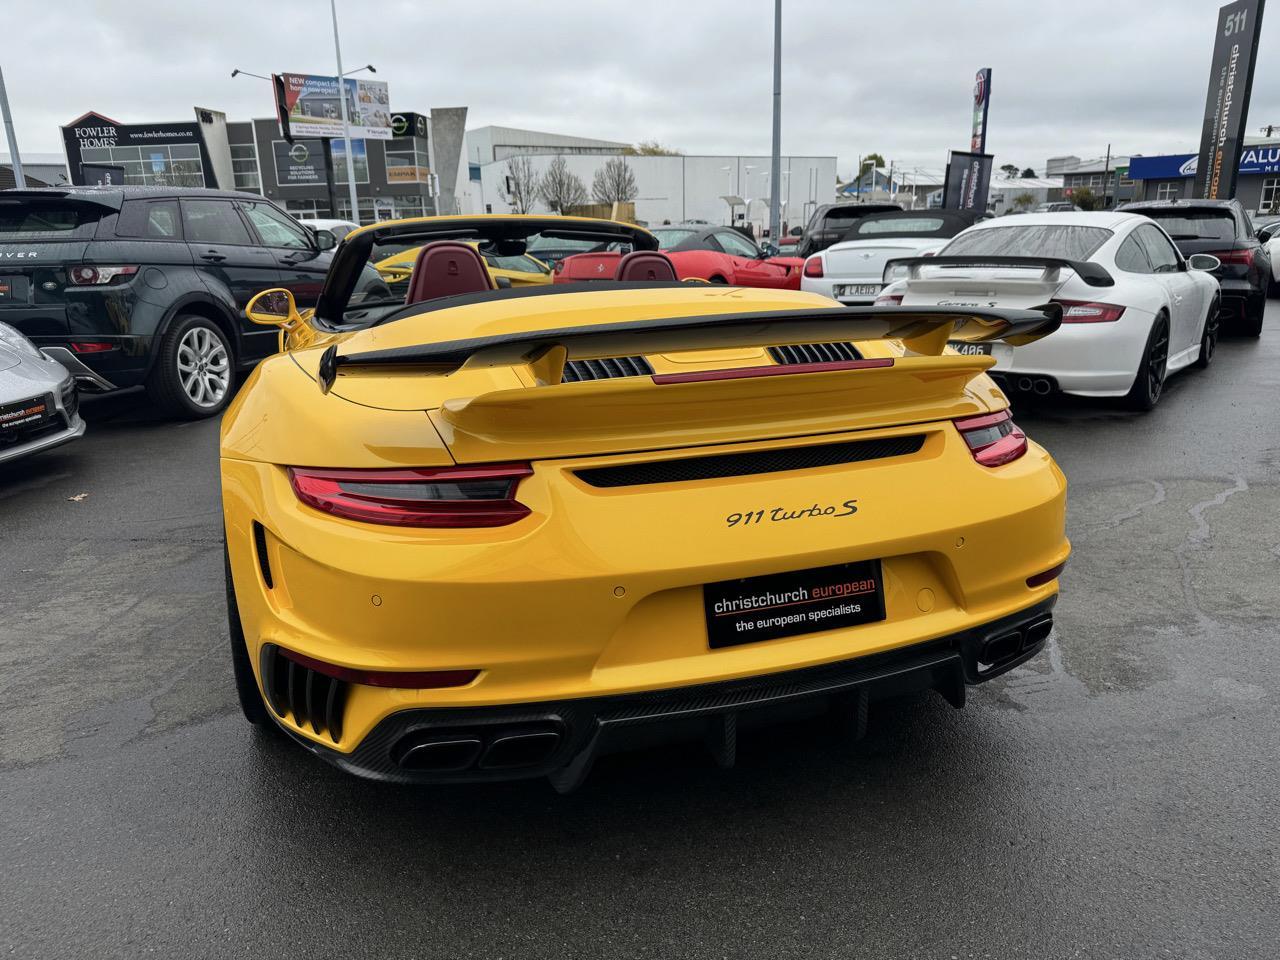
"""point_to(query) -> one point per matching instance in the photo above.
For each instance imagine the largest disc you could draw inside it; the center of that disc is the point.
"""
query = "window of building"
(366, 210)
(244, 167)
(1270, 195)
(163, 165)
(1168, 191)
(410, 207)
(308, 209)
(407, 160)
(360, 149)
(1095, 179)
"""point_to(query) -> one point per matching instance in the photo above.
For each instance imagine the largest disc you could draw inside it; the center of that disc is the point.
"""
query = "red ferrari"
(698, 252)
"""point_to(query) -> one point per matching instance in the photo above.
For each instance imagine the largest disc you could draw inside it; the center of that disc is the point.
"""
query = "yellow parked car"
(483, 534)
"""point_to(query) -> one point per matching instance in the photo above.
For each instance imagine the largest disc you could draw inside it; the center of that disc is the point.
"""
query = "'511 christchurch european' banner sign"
(1235, 50)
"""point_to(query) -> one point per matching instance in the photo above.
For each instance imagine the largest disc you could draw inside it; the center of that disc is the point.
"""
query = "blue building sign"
(1265, 159)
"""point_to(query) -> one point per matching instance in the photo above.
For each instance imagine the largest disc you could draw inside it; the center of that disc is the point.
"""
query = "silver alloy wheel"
(203, 367)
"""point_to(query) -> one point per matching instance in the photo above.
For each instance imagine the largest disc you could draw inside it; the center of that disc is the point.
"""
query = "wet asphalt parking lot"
(1117, 797)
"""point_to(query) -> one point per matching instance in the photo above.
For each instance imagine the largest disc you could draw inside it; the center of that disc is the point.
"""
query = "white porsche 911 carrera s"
(1134, 310)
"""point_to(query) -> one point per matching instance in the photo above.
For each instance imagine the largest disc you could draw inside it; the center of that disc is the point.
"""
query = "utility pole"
(346, 120)
(19, 179)
(1106, 172)
(775, 176)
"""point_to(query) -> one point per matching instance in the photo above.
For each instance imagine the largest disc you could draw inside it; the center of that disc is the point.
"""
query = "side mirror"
(1203, 261)
(797, 231)
(325, 240)
(769, 250)
(1264, 235)
(273, 308)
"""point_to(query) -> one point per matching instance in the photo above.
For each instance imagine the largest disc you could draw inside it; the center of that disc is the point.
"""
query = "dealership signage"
(1235, 50)
(299, 164)
(967, 183)
(93, 131)
(408, 125)
(308, 106)
(981, 103)
(1253, 160)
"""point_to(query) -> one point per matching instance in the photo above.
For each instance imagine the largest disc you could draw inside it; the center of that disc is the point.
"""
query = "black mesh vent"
(746, 464)
(609, 368)
(71, 400)
(815, 352)
(260, 550)
(308, 696)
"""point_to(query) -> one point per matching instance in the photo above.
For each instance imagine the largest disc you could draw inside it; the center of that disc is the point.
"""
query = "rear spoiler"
(108, 197)
(1091, 273)
(923, 330)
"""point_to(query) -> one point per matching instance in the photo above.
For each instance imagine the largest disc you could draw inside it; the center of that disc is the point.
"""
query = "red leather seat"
(645, 265)
(447, 268)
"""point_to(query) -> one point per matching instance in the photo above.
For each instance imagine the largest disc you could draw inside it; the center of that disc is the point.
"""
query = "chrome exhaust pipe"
(1042, 387)
(1025, 385)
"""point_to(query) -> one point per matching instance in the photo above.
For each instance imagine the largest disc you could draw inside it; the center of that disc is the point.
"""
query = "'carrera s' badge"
(782, 514)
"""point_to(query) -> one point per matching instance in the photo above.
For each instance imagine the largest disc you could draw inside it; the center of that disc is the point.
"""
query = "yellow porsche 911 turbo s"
(480, 534)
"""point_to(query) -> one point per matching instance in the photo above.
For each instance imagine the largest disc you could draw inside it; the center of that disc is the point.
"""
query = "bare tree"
(561, 188)
(614, 182)
(520, 184)
(652, 148)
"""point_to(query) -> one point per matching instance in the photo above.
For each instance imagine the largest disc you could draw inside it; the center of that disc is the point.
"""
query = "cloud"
(894, 78)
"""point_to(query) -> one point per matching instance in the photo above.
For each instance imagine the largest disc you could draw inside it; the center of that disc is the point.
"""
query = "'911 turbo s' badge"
(781, 514)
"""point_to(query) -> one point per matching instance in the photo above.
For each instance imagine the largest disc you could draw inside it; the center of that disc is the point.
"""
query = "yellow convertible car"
(480, 534)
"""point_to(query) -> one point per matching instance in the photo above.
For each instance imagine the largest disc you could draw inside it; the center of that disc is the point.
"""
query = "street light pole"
(19, 180)
(775, 179)
(346, 120)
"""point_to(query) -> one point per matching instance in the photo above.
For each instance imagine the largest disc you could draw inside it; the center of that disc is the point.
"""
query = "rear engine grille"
(608, 368)
(308, 696)
(814, 352)
(747, 464)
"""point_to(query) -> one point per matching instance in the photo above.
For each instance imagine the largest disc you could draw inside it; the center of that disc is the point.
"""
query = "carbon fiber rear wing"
(1093, 274)
(923, 330)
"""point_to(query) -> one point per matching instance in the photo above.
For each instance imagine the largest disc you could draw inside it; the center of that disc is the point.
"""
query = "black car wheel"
(192, 375)
(255, 711)
(1209, 339)
(1149, 383)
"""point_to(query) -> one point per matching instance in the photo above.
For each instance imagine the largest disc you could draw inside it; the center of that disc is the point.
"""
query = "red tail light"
(1086, 311)
(402, 679)
(91, 346)
(813, 267)
(993, 439)
(1239, 258)
(1047, 576)
(481, 496)
(889, 300)
(90, 275)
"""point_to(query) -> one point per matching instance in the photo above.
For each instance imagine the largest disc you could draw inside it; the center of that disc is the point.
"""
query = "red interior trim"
(777, 370)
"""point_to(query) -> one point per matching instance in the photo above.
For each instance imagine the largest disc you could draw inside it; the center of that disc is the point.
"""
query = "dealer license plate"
(856, 289)
(786, 604)
(24, 413)
(971, 349)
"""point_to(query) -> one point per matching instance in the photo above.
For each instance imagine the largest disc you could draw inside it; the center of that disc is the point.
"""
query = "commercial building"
(715, 189)
(487, 144)
(1105, 177)
(39, 169)
(415, 174)
(1172, 176)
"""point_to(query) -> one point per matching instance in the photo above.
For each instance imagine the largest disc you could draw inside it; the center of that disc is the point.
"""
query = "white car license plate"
(971, 349)
(856, 289)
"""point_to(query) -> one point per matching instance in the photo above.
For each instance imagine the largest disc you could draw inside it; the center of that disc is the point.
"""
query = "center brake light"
(1086, 311)
(993, 439)
(479, 496)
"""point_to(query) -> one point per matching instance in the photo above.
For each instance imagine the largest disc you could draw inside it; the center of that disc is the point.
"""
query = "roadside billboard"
(981, 103)
(968, 181)
(1226, 108)
(308, 106)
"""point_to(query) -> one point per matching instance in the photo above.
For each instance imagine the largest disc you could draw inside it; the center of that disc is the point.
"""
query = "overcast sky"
(694, 74)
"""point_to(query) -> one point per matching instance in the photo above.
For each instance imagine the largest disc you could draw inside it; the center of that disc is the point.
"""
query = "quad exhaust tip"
(479, 748)
(996, 652)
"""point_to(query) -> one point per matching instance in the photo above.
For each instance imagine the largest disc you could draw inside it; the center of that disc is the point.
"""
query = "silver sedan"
(38, 407)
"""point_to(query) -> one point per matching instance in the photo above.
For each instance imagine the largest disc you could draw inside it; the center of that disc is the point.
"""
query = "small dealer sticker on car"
(786, 604)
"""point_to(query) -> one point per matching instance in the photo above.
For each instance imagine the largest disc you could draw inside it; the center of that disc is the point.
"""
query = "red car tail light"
(813, 267)
(1086, 311)
(402, 679)
(993, 439)
(91, 346)
(1239, 258)
(91, 275)
(1040, 579)
(480, 496)
(889, 300)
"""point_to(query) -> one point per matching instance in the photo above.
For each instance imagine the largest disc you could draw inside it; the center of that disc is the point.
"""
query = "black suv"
(1222, 228)
(147, 285)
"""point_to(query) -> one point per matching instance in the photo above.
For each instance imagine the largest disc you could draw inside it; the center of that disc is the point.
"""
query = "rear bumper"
(124, 365)
(562, 739)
